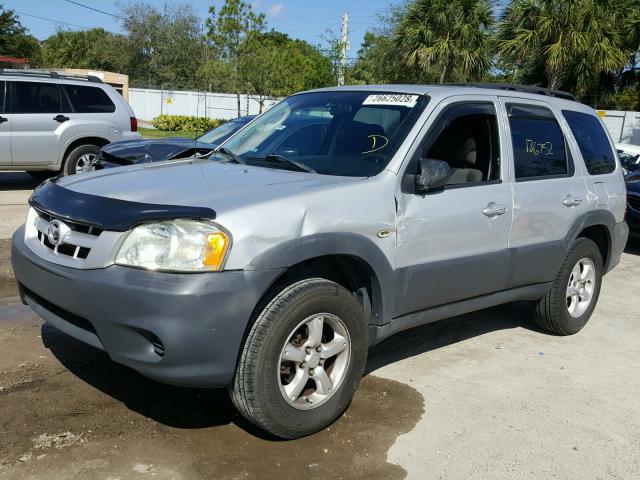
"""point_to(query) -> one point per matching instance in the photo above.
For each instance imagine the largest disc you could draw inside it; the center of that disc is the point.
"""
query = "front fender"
(298, 250)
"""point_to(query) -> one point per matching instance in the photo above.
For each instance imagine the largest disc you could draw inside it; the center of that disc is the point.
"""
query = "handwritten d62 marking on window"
(538, 148)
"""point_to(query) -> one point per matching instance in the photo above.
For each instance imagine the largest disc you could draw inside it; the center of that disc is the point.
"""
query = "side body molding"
(360, 247)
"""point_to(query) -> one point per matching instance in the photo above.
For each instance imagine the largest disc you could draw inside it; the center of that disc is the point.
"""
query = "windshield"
(224, 131)
(332, 133)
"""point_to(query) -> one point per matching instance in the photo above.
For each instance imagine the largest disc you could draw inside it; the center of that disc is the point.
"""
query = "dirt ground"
(484, 396)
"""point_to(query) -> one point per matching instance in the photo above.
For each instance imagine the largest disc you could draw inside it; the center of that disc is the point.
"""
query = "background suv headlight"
(176, 245)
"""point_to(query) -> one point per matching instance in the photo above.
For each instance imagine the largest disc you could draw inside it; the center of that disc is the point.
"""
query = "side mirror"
(433, 174)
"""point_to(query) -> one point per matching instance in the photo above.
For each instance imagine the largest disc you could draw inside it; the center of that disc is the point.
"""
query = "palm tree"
(575, 41)
(450, 36)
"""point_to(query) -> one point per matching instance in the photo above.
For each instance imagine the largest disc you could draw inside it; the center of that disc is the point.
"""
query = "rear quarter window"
(86, 99)
(589, 133)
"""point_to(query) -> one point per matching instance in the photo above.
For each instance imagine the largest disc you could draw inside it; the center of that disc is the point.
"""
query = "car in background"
(154, 150)
(56, 123)
(630, 160)
(629, 157)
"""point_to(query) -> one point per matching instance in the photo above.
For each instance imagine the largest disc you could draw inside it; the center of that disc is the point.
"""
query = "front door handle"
(571, 201)
(3, 119)
(494, 209)
(60, 118)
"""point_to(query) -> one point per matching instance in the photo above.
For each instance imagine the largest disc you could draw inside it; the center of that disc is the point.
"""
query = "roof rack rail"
(48, 74)
(519, 88)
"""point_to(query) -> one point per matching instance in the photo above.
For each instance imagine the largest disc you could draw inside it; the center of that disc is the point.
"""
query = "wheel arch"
(597, 226)
(349, 259)
(93, 140)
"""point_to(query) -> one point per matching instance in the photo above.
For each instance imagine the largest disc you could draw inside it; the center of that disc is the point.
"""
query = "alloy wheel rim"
(582, 284)
(85, 163)
(314, 361)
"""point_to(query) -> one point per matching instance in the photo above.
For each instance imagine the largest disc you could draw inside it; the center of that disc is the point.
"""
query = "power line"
(96, 10)
(52, 20)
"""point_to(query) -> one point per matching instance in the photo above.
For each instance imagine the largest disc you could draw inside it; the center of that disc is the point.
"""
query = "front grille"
(76, 227)
(76, 243)
(634, 201)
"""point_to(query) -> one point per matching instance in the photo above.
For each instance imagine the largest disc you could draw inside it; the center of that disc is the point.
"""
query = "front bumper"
(182, 329)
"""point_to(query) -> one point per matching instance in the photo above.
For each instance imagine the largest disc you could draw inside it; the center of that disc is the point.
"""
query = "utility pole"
(344, 46)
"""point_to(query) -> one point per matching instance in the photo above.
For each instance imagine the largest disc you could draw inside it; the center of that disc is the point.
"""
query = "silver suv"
(273, 265)
(51, 122)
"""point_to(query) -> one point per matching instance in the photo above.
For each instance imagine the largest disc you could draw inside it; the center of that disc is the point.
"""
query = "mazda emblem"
(53, 232)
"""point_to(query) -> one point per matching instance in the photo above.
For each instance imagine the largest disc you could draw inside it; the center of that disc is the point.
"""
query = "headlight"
(177, 245)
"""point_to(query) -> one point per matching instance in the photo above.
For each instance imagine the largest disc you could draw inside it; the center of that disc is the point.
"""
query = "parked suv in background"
(273, 273)
(51, 122)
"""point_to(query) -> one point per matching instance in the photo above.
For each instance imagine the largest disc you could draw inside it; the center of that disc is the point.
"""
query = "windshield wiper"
(229, 154)
(284, 160)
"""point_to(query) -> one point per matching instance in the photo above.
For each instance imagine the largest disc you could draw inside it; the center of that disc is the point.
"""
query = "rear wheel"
(303, 359)
(80, 159)
(567, 307)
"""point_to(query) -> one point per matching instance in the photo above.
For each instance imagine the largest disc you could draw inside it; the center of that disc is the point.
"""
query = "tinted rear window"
(538, 143)
(593, 142)
(36, 97)
(87, 99)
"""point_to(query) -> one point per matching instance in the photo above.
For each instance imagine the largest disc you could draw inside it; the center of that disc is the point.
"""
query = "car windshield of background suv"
(331, 133)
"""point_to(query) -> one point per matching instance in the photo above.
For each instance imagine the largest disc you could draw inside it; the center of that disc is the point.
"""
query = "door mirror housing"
(433, 174)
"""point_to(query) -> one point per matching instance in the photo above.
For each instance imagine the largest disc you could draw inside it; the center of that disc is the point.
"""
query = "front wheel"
(574, 293)
(303, 359)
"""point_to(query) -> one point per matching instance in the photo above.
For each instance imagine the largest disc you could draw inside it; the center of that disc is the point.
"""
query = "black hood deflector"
(107, 213)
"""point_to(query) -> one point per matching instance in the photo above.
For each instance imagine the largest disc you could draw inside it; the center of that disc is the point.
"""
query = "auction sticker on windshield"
(398, 100)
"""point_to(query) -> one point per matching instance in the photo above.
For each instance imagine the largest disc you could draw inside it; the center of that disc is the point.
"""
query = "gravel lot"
(484, 396)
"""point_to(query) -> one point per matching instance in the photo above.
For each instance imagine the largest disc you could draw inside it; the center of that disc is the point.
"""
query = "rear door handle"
(493, 210)
(3, 119)
(571, 201)
(60, 118)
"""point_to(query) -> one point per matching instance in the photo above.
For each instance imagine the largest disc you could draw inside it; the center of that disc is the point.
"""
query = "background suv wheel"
(79, 159)
(303, 359)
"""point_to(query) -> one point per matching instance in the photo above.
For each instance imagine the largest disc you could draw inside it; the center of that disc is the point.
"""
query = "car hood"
(154, 150)
(199, 183)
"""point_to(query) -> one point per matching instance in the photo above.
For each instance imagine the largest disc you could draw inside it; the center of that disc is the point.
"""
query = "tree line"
(587, 47)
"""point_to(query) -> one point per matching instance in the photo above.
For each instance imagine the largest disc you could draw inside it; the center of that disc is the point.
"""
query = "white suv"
(50, 122)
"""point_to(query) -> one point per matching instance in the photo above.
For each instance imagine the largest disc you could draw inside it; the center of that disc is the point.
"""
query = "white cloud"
(276, 10)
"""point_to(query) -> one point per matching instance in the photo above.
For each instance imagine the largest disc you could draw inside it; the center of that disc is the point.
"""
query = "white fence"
(148, 104)
(624, 127)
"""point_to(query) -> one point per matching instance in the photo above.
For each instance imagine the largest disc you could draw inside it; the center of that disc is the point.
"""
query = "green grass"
(151, 133)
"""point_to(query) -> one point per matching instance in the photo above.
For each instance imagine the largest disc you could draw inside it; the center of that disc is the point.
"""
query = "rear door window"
(36, 97)
(86, 99)
(593, 142)
(538, 143)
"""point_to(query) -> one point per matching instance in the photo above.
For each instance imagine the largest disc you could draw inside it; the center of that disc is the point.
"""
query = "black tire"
(255, 390)
(74, 156)
(551, 312)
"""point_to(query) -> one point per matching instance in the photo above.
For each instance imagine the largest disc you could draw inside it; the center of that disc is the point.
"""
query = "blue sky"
(305, 19)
